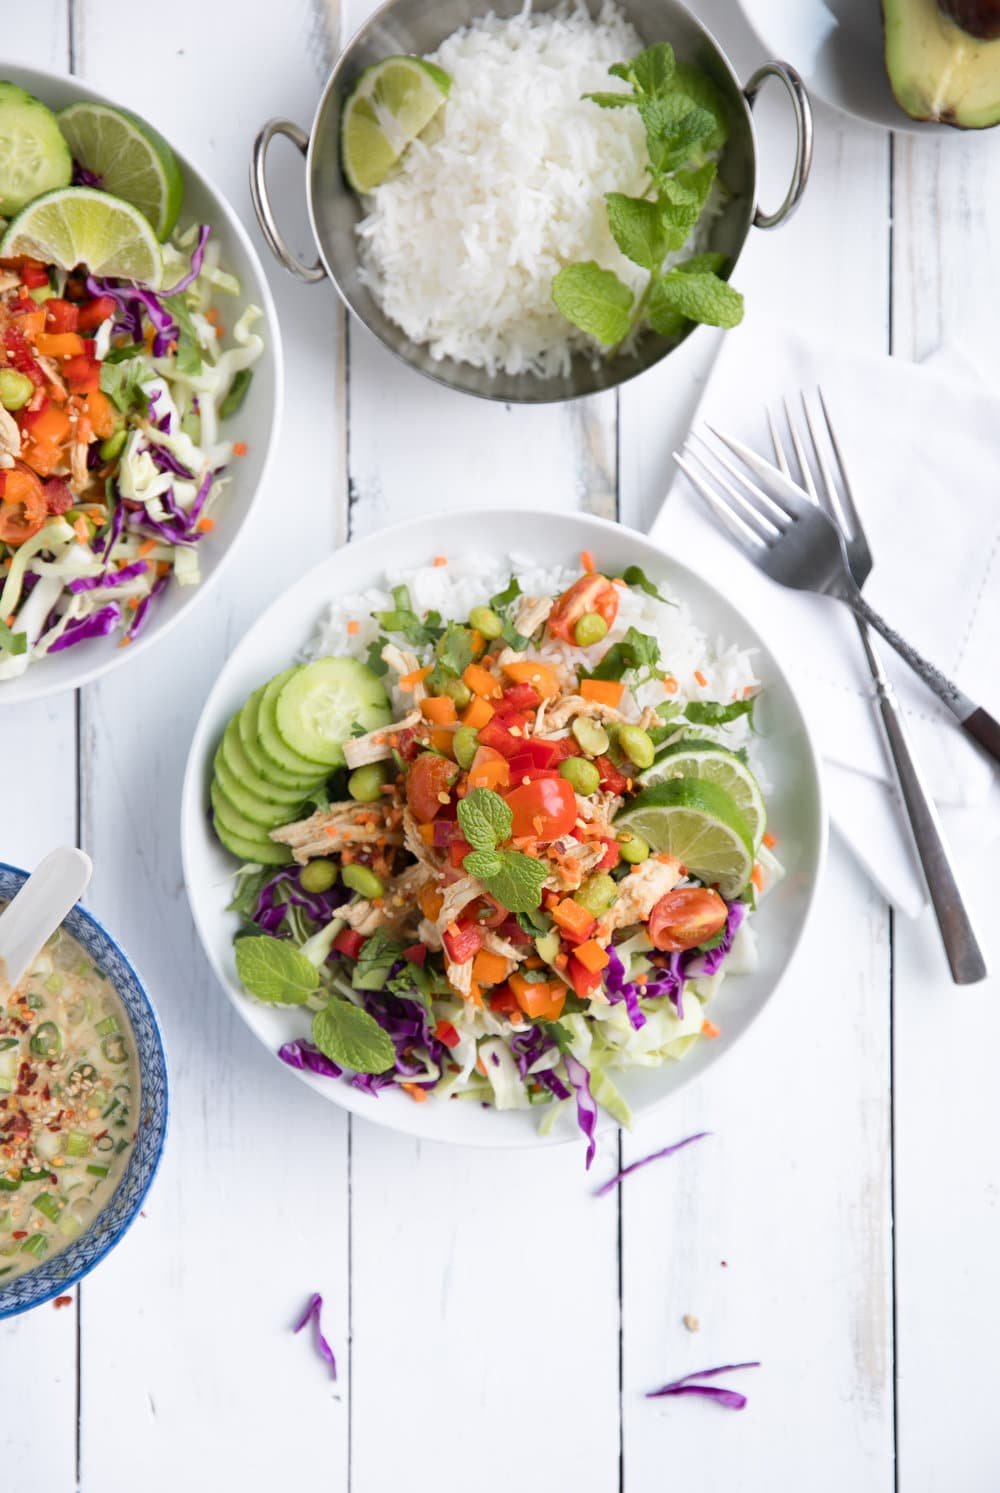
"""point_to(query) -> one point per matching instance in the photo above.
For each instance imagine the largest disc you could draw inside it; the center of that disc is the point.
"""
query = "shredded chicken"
(363, 917)
(10, 438)
(460, 977)
(531, 612)
(338, 827)
(574, 705)
(576, 860)
(375, 746)
(404, 663)
(414, 842)
(51, 370)
(494, 944)
(461, 892)
(599, 808)
(428, 934)
(79, 475)
(639, 893)
(649, 718)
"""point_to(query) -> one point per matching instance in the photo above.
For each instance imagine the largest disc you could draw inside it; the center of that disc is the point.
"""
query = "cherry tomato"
(591, 593)
(24, 509)
(429, 776)
(685, 918)
(544, 808)
(61, 316)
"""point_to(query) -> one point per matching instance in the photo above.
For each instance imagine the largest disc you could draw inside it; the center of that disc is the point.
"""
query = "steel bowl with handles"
(414, 27)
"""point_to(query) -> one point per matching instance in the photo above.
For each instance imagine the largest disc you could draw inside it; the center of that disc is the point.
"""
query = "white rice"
(470, 580)
(461, 244)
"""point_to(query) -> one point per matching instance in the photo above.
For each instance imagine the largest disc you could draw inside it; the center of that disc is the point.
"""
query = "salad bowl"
(56, 1275)
(260, 415)
(786, 752)
(413, 27)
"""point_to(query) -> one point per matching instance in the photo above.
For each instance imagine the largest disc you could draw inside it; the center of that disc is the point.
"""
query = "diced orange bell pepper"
(489, 969)
(490, 769)
(42, 456)
(481, 682)
(59, 344)
(430, 901)
(31, 323)
(574, 918)
(591, 955)
(442, 741)
(532, 671)
(607, 691)
(439, 708)
(542, 999)
(477, 713)
(51, 424)
(101, 413)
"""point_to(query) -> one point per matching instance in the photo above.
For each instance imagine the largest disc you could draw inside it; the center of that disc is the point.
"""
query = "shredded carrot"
(709, 1028)
(748, 691)
(700, 678)
(757, 877)
(670, 684)
(607, 691)
(587, 561)
(440, 560)
(81, 531)
(416, 1093)
(353, 627)
(239, 448)
(146, 548)
(770, 841)
(480, 1067)
(329, 829)
(124, 642)
(133, 603)
(206, 525)
(410, 681)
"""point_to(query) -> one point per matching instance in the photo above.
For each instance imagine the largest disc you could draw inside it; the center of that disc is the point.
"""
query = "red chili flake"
(19, 1234)
(62, 1301)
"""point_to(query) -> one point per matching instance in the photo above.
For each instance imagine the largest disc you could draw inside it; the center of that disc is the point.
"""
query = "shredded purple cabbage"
(167, 461)
(269, 914)
(305, 1055)
(586, 1108)
(97, 625)
(634, 1166)
(730, 1398)
(84, 178)
(112, 578)
(204, 234)
(371, 1083)
(312, 1314)
(146, 602)
(527, 1047)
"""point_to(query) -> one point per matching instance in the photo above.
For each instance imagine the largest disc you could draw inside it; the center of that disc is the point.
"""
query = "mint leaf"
(709, 264)
(273, 970)
(483, 863)
(634, 575)
(699, 88)
(712, 713)
(611, 100)
(10, 641)
(594, 300)
(376, 957)
(122, 383)
(653, 70)
(485, 818)
(674, 132)
(518, 883)
(637, 228)
(682, 200)
(696, 296)
(352, 1038)
(637, 650)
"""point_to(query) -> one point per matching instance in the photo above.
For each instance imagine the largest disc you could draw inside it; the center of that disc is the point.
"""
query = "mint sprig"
(352, 1038)
(684, 116)
(514, 879)
(274, 971)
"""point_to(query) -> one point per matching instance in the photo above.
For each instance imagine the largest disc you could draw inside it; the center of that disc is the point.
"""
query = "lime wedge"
(132, 160)
(391, 103)
(33, 154)
(699, 823)
(80, 225)
(716, 764)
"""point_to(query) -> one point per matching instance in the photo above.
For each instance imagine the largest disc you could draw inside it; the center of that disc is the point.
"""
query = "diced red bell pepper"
(542, 753)
(33, 274)
(583, 980)
(349, 943)
(457, 851)
(612, 781)
(511, 930)
(61, 316)
(19, 357)
(416, 953)
(503, 1000)
(495, 734)
(94, 312)
(83, 374)
(462, 941)
(545, 808)
(522, 767)
(611, 857)
(446, 1033)
(519, 697)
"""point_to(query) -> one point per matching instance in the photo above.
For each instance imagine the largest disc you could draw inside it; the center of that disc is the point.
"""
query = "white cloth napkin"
(920, 445)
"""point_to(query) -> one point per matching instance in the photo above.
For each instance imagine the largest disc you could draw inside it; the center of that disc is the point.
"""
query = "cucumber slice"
(266, 816)
(238, 767)
(273, 743)
(34, 157)
(263, 852)
(321, 704)
(230, 818)
(249, 734)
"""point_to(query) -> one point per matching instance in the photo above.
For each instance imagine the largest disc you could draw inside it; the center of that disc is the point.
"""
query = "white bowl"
(788, 754)
(258, 421)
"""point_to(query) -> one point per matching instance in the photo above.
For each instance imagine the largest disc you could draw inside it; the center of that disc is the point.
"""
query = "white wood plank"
(38, 1352)
(793, 1191)
(946, 242)
(186, 1327)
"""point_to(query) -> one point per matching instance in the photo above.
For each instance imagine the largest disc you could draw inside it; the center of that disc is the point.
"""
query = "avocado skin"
(939, 68)
(979, 18)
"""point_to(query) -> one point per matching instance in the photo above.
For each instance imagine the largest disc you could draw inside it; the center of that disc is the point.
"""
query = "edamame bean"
(457, 690)
(590, 629)
(465, 745)
(582, 776)
(114, 445)
(318, 876)
(365, 783)
(362, 879)
(636, 745)
(633, 848)
(597, 893)
(486, 621)
(15, 389)
(590, 736)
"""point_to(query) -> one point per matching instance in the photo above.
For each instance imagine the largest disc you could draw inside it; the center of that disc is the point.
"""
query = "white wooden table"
(496, 1326)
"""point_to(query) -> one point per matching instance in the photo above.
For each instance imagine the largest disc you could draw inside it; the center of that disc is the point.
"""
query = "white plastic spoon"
(30, 919)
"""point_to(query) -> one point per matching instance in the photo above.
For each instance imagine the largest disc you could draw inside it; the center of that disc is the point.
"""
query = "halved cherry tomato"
(686, 917)
(591, 593)
(94, 312)
(489, 769)
(61, 316)
(429, 776)
(462, 941)
(23, 510)
(545, 808)
(349, 943)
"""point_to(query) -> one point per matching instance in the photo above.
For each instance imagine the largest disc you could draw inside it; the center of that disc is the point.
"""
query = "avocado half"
(943, 59)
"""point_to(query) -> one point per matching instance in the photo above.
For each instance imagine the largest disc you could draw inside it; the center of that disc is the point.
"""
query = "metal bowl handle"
(803, 137)
(262, 202)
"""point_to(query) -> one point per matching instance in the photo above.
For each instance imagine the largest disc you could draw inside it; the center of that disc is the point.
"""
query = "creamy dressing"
(69, 1093)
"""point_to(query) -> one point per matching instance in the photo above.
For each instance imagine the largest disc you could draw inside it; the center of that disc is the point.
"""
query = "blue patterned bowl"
(57, 1275)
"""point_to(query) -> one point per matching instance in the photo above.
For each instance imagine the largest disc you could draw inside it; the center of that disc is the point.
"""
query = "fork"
(798, 544)
(964, 957)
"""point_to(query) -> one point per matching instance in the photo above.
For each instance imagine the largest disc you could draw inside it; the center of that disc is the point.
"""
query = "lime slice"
(33, 154)
(132, 160)
(699, 823)
(391, 103)
(80, 225)
(716, 764)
